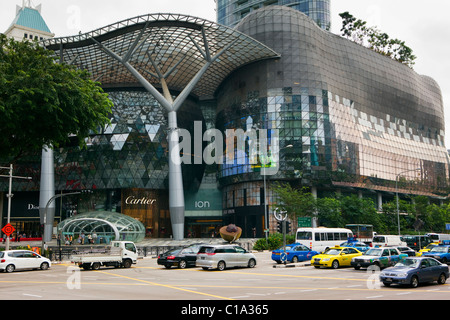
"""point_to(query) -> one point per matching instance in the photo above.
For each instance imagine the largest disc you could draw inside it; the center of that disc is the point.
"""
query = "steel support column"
(176, 190)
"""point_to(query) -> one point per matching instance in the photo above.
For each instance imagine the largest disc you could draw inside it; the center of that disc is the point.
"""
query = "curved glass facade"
(101, 227)
(230, 12)
(357, 120)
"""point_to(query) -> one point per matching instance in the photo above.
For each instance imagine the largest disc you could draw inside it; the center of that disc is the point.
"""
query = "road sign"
(447, 226)
(304, 222)
(8, 229)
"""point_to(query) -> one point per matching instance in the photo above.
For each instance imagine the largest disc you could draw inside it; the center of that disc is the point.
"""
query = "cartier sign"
(132, 200)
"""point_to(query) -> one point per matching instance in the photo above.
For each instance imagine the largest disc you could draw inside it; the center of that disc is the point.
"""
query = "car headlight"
(325, 259)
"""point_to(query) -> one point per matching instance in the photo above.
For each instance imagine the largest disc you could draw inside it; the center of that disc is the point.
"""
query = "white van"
(388, 241)
(320, 239)
(438, 236)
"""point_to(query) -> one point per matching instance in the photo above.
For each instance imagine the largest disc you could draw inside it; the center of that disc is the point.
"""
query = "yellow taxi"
(335, 257)
(427, 248)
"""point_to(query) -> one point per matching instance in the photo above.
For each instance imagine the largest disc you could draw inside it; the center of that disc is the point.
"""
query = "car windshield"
(374, 252)
(304, 235)
(332, 252)
(409, 263)
(172, 252)
(206, 250)
(439, 249)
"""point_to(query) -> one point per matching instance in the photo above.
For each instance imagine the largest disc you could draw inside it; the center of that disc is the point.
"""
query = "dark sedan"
(181, 257)
(414, 270)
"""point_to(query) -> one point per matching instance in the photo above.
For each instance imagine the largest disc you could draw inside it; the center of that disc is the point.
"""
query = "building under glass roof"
(102, 227)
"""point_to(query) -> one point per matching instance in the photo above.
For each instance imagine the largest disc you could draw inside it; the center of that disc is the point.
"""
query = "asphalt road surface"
(148, 281)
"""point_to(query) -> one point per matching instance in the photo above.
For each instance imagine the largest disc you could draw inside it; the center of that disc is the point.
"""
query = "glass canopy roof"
(170, 46)
(103, 226)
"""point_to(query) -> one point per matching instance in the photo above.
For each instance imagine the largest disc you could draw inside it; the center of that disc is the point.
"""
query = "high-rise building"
(28, 24)
(230, 12)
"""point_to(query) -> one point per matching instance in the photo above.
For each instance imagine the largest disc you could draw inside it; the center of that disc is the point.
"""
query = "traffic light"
(288, 227)
(280, 227)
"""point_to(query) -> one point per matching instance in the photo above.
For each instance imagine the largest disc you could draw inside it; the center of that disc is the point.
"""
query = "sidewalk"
(160, 242)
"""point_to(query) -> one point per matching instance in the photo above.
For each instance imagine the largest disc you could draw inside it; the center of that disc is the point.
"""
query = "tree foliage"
(297, 202)
(417, 215)
(370, 37)
(43, 103)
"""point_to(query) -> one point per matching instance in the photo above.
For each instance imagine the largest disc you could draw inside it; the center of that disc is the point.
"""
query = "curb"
(292, 265)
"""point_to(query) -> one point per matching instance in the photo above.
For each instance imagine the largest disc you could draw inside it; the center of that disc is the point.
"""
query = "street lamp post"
(396, 192)
(10, 195)
(48, 223)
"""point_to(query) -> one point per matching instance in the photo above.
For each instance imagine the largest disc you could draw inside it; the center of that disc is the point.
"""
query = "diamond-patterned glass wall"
(129, 153)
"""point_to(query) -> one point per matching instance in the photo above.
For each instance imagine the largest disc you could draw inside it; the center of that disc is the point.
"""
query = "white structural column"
(176, 191)
(47, 191)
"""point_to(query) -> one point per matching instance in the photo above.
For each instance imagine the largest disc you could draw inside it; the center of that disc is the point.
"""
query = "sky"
(424, 26)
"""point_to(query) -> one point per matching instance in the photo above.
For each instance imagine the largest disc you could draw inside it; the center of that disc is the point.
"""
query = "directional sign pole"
(282, 216)
(10, 195)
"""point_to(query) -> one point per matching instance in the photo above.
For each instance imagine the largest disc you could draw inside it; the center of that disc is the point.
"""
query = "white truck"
(118, 254)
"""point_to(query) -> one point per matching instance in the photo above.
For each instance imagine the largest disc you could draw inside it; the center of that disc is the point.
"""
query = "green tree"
(370, 37)
(43, 103)
(296, 202)
(329, 212)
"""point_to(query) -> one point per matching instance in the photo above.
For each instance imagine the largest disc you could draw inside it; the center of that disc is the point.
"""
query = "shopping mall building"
(345, 119)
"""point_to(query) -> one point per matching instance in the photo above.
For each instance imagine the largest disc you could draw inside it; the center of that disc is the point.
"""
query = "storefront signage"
(202, 204)
(132, 200)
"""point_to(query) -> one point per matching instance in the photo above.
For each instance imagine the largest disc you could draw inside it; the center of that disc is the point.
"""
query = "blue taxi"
(295, 252)
(440, 252)
(352, 243)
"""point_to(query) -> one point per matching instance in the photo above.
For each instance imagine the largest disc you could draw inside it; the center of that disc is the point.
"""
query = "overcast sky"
(424, 26)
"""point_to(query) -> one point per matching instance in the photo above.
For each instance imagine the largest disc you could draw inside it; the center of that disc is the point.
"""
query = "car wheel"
(386, 284)
(442, 279)
(10, 268)
(167, 266)
(95, 266)
(182, 264)
(294, 259)
(444, 260)
(221, 265)
(335, 264)
(205, 268)
(44, 266)
(251, 263)
(126, 263)
(414, 282)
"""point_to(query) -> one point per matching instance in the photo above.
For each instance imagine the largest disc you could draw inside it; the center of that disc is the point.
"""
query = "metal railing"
(63, 253)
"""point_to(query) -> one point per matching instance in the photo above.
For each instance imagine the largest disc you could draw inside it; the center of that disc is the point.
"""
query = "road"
(148, 281)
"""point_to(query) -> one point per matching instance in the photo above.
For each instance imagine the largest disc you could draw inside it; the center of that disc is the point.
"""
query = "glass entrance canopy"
(102, 227)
